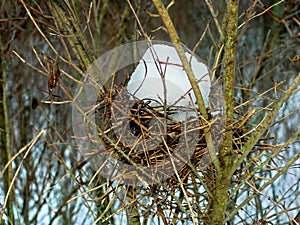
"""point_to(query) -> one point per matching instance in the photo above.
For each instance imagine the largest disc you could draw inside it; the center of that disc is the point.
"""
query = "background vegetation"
(252, 45)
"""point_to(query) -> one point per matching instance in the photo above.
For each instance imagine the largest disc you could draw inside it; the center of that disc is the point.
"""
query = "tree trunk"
(5, 139)
(224, 173)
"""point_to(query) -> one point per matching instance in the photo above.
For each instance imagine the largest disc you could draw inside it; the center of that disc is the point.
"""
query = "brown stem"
(180, 51)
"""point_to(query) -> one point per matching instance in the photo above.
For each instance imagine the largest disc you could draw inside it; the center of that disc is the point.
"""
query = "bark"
(223, 178)
(5, 137)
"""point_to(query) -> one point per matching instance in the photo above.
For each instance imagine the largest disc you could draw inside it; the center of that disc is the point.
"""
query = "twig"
(38, 28)
(180, 183)
(271, 181)
(264, 124)
(28, 148)
(214, 15)
(57, 103)
(176, 41)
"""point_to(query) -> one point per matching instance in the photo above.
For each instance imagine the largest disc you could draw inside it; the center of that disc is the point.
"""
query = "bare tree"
(251, 48)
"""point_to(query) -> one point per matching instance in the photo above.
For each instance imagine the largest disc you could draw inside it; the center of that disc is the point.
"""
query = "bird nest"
(155, 147)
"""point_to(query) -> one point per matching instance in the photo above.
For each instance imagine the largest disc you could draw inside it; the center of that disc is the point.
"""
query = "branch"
(75, 36)
(223, 178)
(296, 219)
(265, 124)
(180, 51)
(229, 63)
(26, 148)
(5, 145)
(214, 15)
(269, 182)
